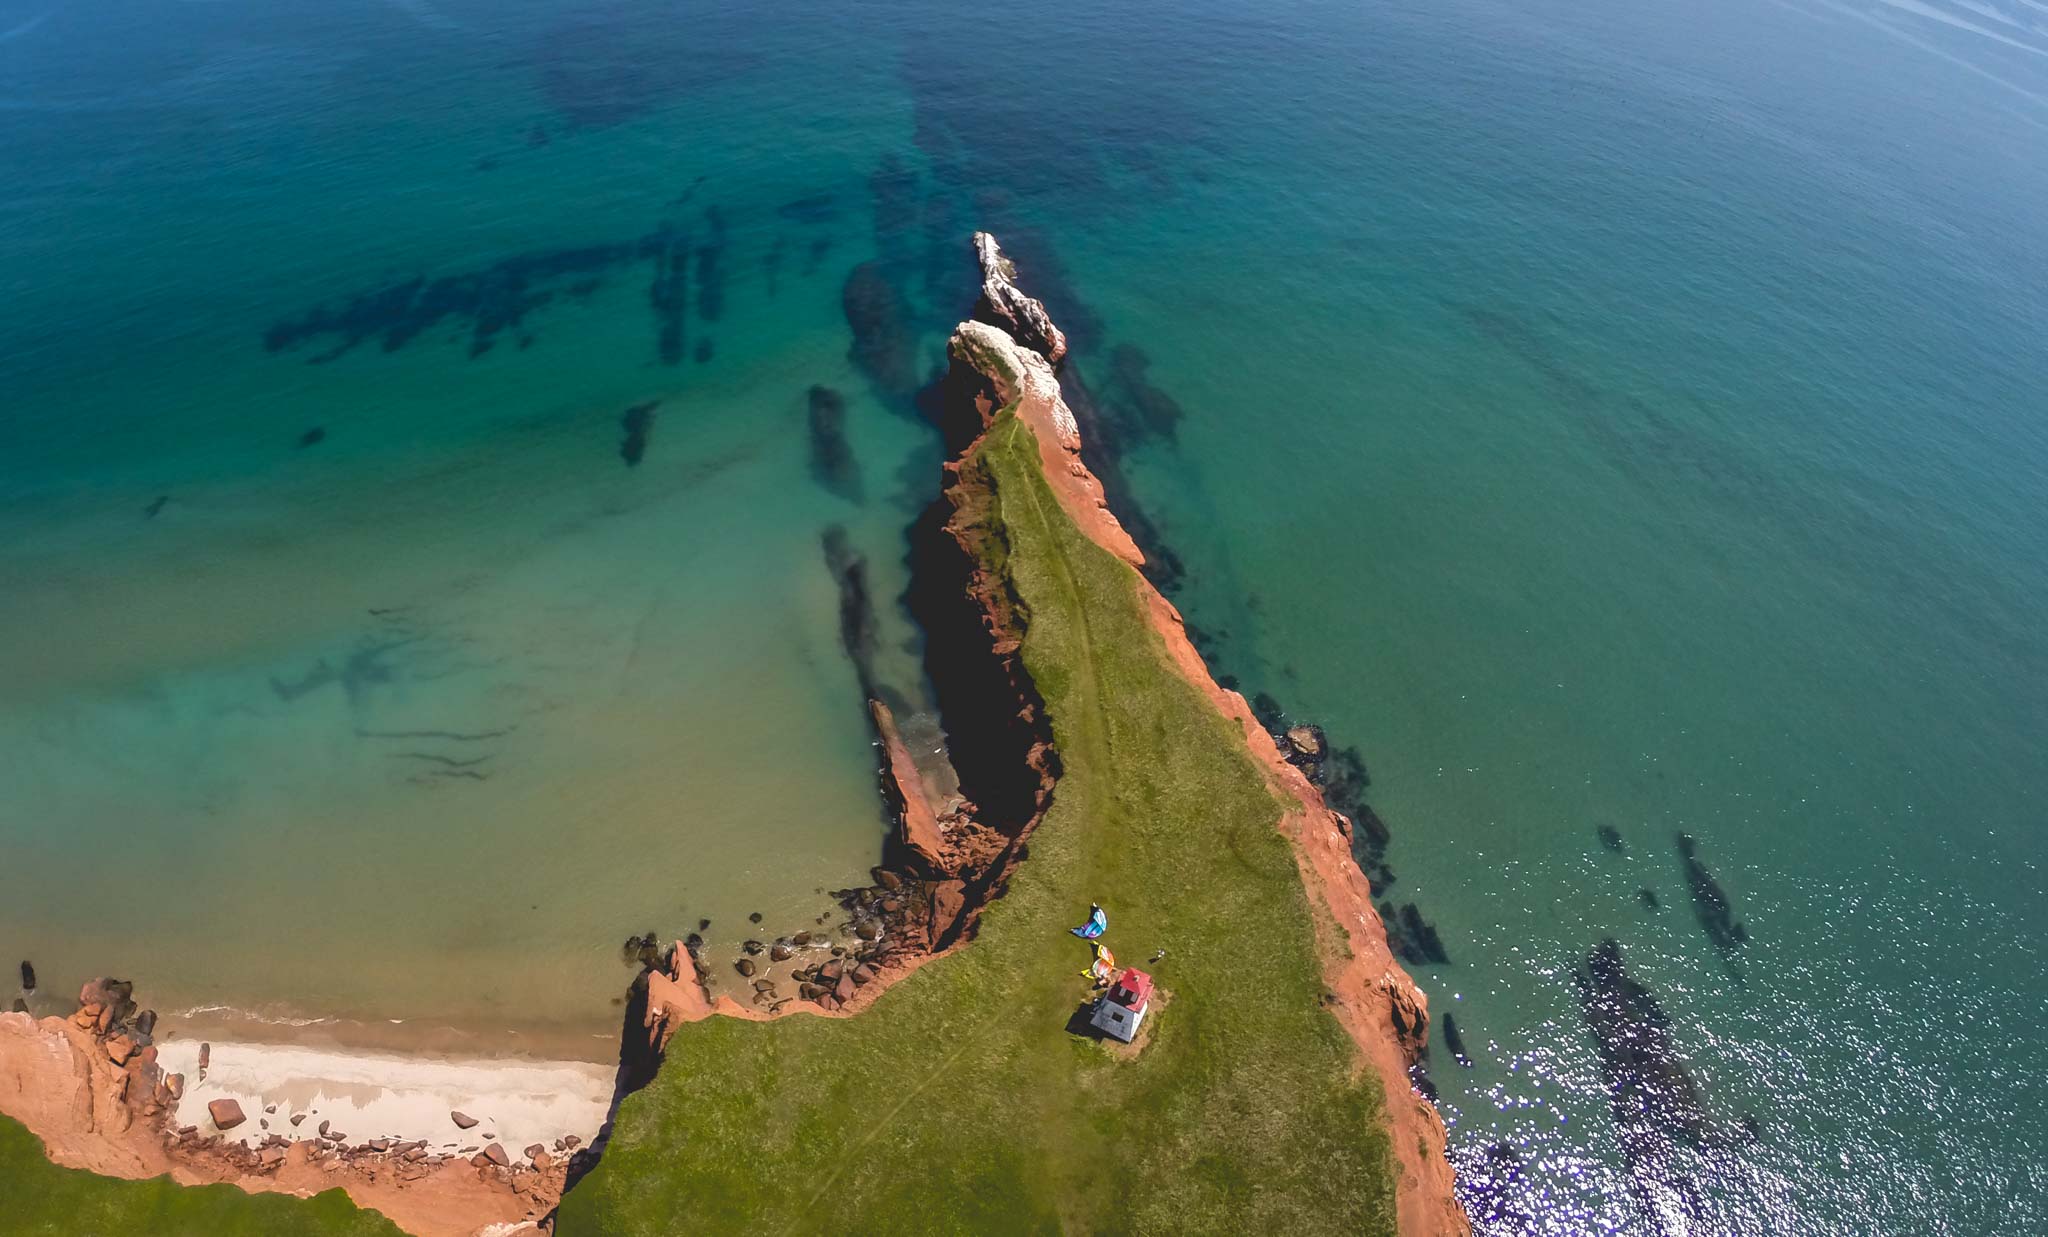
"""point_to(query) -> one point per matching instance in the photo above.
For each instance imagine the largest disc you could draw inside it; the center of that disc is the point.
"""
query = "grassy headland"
(959, 1101)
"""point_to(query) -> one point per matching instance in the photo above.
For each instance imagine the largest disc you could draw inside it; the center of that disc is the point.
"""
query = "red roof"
(1133, 988)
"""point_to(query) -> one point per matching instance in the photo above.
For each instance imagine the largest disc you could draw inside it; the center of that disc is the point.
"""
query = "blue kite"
(1098, 923)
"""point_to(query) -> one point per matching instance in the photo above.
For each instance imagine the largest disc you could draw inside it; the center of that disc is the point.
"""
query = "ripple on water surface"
(1820, 1074)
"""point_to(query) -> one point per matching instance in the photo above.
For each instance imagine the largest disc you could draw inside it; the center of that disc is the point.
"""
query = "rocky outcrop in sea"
(1004, 304)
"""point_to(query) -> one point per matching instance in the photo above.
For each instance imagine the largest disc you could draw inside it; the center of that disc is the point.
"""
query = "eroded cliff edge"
(1379, 1004)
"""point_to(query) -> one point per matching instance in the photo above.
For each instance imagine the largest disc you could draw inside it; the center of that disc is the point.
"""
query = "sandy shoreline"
(103, 1099)
(516, 1101)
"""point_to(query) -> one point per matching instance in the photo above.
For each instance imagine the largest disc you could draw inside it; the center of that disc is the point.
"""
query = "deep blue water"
(1596, 415)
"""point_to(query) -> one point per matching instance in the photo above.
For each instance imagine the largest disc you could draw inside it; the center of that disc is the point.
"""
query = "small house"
(1119, 1011)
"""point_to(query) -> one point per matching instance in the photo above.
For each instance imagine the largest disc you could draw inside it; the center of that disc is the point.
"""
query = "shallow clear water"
(418, 721)
(1613, 415)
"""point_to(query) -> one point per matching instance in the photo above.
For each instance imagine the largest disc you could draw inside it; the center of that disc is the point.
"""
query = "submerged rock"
(638, 423)
(490, 301)
(1660, 1115)
(1610, 837)
(1419, 1079)
(28, 978)
(857, 621)
(1710, 902)
(832, 461)
(669, 293)
(1454, 1041)
(1142, 408)
(1411, 936)
(884, 341)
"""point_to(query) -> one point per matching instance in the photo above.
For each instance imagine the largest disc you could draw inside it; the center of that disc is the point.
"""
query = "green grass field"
(959, 1102)
(37, 1197)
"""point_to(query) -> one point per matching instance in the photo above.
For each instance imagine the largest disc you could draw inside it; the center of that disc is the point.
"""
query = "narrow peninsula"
(943, 1069)
(1273, 1090)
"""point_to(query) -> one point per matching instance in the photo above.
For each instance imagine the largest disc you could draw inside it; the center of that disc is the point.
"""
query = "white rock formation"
(1024, 316)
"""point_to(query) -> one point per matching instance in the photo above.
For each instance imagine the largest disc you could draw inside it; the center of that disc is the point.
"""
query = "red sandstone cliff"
(1381, 1007)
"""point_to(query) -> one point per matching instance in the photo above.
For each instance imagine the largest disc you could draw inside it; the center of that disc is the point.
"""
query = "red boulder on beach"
(226, 1114)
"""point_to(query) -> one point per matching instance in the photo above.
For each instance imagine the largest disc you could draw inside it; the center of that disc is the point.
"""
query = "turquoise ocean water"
(1596, 415)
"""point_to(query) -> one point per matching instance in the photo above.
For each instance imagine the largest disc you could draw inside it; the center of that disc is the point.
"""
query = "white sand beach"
(366, 1095)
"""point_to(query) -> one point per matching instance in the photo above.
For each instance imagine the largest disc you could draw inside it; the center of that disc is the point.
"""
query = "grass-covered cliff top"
(37, 1197)
(959, 1101)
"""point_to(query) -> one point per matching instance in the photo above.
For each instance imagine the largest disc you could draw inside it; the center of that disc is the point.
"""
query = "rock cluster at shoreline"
(123, 1054)
(91, 1086)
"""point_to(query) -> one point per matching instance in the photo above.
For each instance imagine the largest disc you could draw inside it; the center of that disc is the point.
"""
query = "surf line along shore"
(102, 1100)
